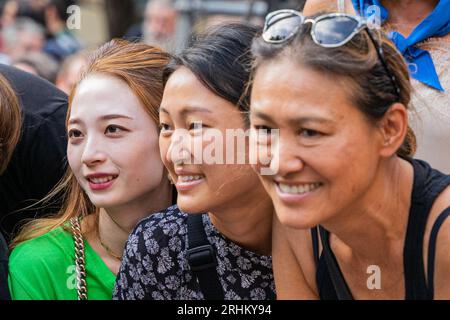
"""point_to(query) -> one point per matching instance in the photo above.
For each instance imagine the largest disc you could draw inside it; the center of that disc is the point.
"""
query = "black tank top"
(428, 184)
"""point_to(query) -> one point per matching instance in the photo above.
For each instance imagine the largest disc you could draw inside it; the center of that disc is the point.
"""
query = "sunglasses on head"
(330, 30)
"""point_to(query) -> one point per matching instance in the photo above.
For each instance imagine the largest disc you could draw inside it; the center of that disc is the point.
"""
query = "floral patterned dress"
(155, 267)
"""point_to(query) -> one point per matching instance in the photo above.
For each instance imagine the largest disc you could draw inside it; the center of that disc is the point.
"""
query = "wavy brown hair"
(140, 66)
(10, 122)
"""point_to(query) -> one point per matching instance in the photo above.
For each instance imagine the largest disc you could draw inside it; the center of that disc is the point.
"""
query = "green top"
(44, 269)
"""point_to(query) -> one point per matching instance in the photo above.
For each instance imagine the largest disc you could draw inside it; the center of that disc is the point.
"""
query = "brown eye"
(308, 133)
(113, 129)
(164, 127)
(196, 126)
(73, 134)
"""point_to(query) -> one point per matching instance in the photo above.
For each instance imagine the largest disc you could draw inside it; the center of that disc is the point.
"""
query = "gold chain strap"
(80, 264)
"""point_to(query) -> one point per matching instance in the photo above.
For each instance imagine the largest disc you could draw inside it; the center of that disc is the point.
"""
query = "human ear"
(393, 127)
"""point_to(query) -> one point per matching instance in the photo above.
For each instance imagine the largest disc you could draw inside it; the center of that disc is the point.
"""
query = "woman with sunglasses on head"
(115, 179)
(224, 253)
(356, 217)
(420, 29)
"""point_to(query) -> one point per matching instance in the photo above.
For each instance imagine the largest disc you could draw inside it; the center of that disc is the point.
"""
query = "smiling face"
(328, 156)
(202, 185)
(113, 144)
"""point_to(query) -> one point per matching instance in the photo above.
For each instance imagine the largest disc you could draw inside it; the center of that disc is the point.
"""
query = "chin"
(190, 205)
(105, 203)
(295, 219)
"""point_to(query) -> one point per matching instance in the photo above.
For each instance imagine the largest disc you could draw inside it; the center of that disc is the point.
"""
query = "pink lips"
(184, 186)
(293, 199)
(103, 185)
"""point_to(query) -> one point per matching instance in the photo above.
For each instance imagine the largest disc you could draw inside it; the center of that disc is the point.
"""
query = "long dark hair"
(220, 59)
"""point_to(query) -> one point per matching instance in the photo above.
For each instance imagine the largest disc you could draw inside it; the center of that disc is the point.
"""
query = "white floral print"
(155, 267)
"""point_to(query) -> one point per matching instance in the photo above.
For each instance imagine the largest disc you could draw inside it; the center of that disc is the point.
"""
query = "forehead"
(183, 90)
(295, 90)
(100, 94)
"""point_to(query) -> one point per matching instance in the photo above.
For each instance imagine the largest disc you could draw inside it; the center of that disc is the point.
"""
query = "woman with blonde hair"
(116, 178)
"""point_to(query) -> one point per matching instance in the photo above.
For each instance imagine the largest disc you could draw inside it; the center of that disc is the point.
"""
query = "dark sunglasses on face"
(330, 30)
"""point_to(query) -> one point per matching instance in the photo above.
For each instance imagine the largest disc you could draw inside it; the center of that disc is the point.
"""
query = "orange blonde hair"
(140, 66)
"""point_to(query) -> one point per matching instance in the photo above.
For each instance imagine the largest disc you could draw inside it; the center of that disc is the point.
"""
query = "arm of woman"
(442, 264)
(290, 281)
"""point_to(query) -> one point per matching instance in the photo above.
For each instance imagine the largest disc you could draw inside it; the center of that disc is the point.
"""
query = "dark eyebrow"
(187, 110)
(305, 120)
(261, 115)
(103, 118)
(296, 121)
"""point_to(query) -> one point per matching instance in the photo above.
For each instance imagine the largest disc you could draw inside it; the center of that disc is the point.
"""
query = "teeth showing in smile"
(102, 180)
(189, 178)
(298, 189)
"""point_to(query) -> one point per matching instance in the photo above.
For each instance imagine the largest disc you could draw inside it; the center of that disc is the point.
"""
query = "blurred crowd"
(35, 38)
(35, 35)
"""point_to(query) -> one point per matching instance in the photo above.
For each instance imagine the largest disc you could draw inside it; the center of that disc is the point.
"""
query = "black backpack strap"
(202, 259)
(339, 284)
(4, 290)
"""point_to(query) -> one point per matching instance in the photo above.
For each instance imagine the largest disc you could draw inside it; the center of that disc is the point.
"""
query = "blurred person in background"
(9, 11)
(39, 64)
(421, 31)
(21, 37)
(51, 15)
(70, 71)
(159, 24)
(62, 42)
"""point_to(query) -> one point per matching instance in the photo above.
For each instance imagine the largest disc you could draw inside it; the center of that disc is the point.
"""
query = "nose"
(179, 151)
(285, 158)
(92, 153)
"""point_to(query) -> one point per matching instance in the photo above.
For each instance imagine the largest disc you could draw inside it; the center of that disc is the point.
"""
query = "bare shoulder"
(442, 256)
(315, 6)
(293, 263)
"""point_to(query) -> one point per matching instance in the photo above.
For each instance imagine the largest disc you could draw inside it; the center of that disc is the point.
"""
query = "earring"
(170, 178)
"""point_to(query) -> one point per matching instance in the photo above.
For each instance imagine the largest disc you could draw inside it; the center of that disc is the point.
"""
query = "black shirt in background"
(4, 290)
(39, 159)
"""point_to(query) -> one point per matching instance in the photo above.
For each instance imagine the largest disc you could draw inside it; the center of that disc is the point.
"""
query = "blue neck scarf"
(437, 24)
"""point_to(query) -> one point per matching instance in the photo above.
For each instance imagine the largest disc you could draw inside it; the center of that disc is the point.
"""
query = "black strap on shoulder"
(202, 259)
(315, 244)
(4, 291)
(428, 185)
(339, 284)
(432, 250)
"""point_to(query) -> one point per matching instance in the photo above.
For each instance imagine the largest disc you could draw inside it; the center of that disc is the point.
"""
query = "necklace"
(111, 253)
(107, 249)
